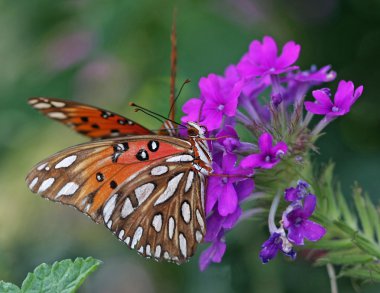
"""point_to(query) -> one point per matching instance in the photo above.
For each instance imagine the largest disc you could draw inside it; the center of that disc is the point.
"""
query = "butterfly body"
(147, 189)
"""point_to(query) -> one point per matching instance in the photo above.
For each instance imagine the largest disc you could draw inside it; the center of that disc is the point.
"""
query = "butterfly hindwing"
(134, 185)
(87, 120)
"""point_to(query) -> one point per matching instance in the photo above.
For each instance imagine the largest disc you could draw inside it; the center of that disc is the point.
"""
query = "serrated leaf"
(348, 217)
(362, 212)
(338, 244)
(367, 273)
(373, 215)
(8, 288)
(64, 276)
(346, 257)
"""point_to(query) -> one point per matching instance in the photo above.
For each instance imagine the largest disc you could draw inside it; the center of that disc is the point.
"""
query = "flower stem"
(321, 125)
(332, 276)
(272, 214)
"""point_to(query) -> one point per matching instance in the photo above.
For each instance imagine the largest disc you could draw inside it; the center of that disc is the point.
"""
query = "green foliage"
(64, 276)
(352, 240)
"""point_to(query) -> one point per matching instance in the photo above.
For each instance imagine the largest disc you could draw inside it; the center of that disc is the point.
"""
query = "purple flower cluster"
(263, 93)
(295, 224)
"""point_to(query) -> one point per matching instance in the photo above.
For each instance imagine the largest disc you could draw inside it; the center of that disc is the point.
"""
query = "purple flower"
(296, 193)
(193, 109)
(314, 76)
(214, 253)
(299, 227)
(276, 242)
(344, 98)
(262, 58)
(218, 101)
(269, 155)
(221, 190)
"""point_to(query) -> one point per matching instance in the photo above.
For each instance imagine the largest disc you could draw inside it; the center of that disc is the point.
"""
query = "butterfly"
(148, 189)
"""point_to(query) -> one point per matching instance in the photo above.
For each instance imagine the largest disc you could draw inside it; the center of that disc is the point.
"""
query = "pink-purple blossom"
(276, 242)
(262, 58)
(269, 155)
(297, 222)
(345, 96)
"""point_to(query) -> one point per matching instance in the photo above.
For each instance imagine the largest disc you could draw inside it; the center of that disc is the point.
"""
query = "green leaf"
(8, 288)
(362, 212)
(65, 276)
(337, 244)
(369, 272)
(346, 257)
(373, 215)
(348, 217)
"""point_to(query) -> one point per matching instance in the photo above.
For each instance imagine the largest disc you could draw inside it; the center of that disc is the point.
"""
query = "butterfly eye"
(192, 132)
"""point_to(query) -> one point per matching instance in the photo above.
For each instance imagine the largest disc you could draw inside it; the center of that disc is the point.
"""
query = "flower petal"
(269, 51)
(228, 202)
(213, 253)
(295, 235)
(310, 201)
(192, 108)
(244, 188)
(313, 231)
(252, 161)
(265, 142)
(322, 98)
(290, 53)
(344, 94)
(317, 108)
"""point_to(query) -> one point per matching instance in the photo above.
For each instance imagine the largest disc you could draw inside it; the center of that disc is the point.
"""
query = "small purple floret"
(262, 58)
(269, 155)
(344, 98)
(276, 242)
(297, 223)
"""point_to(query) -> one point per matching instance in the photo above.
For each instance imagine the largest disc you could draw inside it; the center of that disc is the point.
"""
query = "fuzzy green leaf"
(8, 288)
(346, 257)
(373, 215)
(362, 242)
(65, 276)
(337, 244)
(370, 272)
(348, 217)
(362, 212)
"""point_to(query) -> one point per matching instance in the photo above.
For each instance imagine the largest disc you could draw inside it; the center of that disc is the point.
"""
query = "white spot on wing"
(171, 227)
(198, 236)
(57, 115)
(109, 207)
(58, 104)
(166, 255)
(109, 224)
(68, 189)
(121, 234)
(33, 183)
(159, 170)
(127, 240)
(143, 192)
(189, 181)
(185, 210)
(127, 208)
(183, 244)
(40, 167)
(136, 237)
(157, 222)
(141, 249)
(42, 106)
(66, 162)
(200, 220)
(170, 189)
(33, 101)
(157, 252)
(181, 158)
(46, 184)
(202, 190)
(147, 250)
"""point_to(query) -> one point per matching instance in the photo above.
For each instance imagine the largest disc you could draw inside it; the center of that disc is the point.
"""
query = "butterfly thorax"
(202, 154)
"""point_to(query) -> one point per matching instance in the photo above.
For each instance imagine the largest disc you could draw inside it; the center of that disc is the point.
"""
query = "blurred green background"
(108, 53)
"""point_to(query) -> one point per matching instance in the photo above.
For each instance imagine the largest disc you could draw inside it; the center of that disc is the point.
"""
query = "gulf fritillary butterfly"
(147, 189)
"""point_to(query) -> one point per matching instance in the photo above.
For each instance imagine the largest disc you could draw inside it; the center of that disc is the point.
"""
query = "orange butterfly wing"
(143, 188)
(88, 120)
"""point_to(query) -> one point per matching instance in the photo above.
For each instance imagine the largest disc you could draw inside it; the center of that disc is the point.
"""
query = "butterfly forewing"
(143, 188)
(88, 120)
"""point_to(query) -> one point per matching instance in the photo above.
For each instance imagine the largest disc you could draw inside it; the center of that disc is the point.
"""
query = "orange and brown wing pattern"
(143, 188)
(88, 120)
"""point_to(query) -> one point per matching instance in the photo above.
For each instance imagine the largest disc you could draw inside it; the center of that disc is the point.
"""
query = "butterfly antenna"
(176, 98)
(173, 65)
(151, 113)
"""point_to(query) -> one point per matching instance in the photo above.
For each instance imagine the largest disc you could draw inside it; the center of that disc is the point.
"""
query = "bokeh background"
(108, 53)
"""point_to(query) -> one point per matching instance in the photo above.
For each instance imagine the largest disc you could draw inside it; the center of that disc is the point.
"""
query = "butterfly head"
(196, 130)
